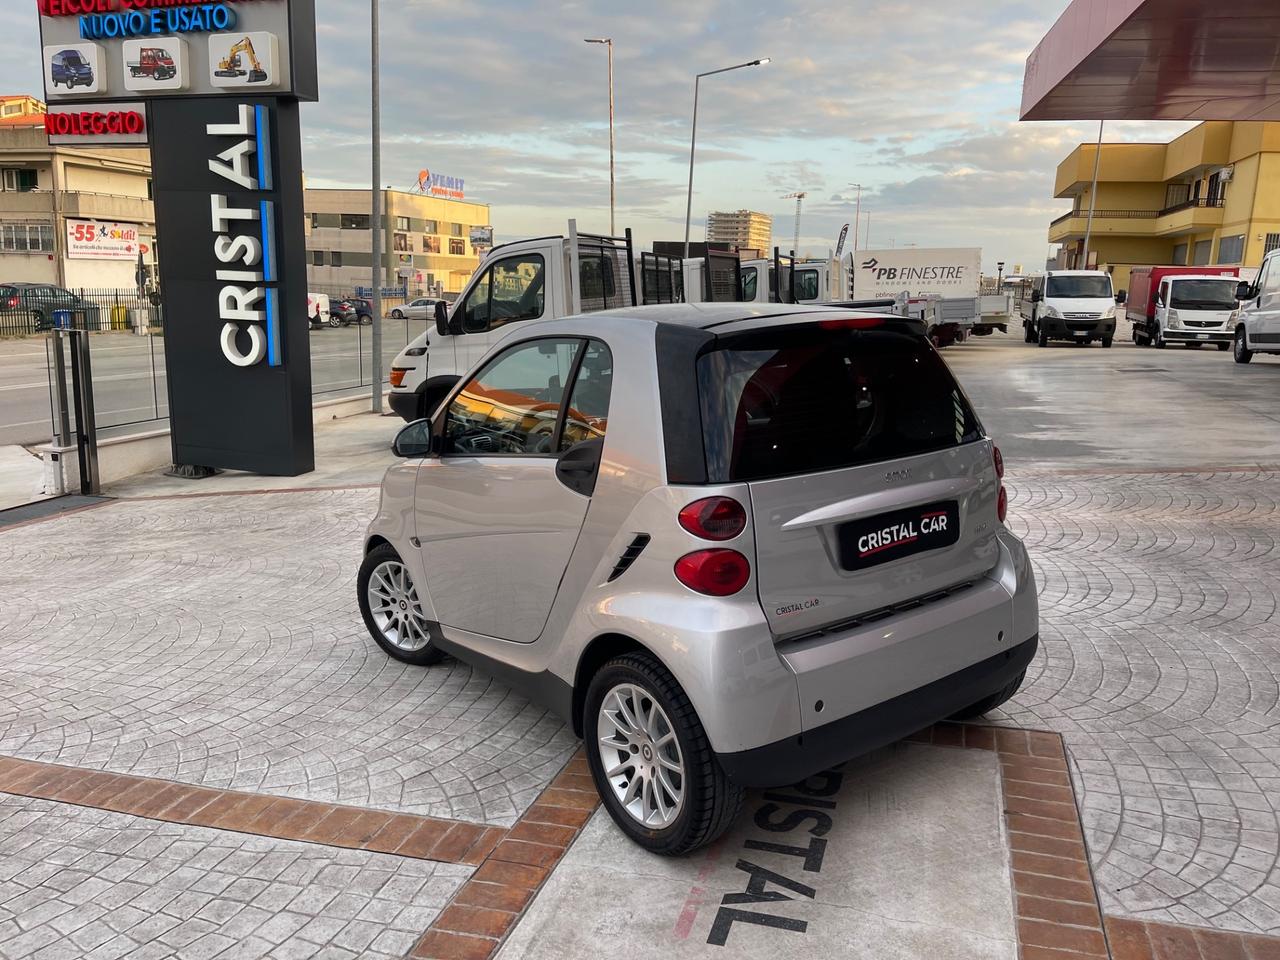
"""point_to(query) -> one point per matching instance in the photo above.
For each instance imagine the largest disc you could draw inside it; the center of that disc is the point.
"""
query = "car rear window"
(805, 398)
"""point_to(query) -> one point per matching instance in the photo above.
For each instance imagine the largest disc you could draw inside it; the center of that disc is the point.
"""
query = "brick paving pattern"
(215, 641)
(1160, 666)
(84, 884)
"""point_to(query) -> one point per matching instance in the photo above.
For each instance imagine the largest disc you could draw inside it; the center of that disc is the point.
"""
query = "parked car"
(42, 299)
(342, 313)
(731, 547)
(1188, 305)
(363, 309)
(69, 68)
(424, 308)
(1257, 321)
(318, 310)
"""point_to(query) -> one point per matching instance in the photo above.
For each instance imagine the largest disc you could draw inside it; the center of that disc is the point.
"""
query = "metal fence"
(28, 310)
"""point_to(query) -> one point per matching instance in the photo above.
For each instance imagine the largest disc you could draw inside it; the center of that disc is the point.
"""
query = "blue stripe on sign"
(267, 224)
(273, 329)
(263, 149)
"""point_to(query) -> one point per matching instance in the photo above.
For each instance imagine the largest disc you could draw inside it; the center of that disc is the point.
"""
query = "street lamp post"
(857, 216)
(375, 217)
(693, 139)
(1093, 197)
(608, 42)
(999, 275)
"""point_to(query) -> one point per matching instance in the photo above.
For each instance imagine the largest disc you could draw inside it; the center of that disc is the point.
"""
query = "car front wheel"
(651, 760)
(397, 314)
(1241, 353)
(392, 609)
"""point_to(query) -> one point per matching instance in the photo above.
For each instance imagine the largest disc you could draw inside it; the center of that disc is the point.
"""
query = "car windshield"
(804, 398)
(1079, 287)
(73, 60)
(1204, 294)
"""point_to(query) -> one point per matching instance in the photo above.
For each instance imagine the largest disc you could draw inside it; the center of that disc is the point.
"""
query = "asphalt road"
(129, 375)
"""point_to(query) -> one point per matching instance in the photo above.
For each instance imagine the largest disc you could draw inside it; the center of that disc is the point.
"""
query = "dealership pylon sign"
(214, 87)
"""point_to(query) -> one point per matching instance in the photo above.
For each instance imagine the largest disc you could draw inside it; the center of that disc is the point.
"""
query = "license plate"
(901, 533)
(1082, 333)
(1202, 336)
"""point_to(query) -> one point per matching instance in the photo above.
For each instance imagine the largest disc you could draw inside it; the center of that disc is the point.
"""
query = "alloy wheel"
(396, 610)
(640, 755)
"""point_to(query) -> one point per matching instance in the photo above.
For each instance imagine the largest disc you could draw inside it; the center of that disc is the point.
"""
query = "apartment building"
(70, 216)
(1212, 196)
(741, 229)
(426, 244)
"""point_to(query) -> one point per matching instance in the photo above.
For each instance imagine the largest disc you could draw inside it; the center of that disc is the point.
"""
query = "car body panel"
(749, 688)
(1259, 317)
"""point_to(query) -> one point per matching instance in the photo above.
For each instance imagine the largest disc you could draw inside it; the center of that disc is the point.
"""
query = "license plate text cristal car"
(901, 533)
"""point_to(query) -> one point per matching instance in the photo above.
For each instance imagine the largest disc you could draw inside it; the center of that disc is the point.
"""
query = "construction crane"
(229, 66)
(799, 199)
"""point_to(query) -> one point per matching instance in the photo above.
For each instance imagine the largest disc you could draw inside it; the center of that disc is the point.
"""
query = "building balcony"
(108, 206)
(1193, 216)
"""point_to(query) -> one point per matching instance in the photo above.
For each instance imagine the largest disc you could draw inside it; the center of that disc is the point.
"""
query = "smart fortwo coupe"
(730, 546)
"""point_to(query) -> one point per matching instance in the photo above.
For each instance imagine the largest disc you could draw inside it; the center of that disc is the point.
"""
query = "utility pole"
(608, 42)
(1093, 197)
(868, 235)
(375, 219)
(857, 216)
(799, 199)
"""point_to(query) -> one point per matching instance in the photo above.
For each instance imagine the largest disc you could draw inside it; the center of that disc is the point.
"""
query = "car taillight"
(1002, 505)
(851, 323)
(998, 457)
(714, 518)
(1002, 499)
(397, 377)
(717, 572)
(13, 303)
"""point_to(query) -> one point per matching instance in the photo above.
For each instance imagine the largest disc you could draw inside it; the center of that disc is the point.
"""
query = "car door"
(1162, 306)
(1264, 331)
(499, 512)
(511, 290)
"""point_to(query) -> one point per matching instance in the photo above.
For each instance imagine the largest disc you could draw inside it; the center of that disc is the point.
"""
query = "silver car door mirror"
(415, 440)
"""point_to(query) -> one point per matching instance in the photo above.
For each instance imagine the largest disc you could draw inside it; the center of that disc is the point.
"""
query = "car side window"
(512, 406)
(588, 413)
(1269, 284)
(510, 290)
(750, 277)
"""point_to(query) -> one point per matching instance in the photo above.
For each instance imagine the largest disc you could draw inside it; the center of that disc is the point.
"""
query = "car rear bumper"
(794, 758)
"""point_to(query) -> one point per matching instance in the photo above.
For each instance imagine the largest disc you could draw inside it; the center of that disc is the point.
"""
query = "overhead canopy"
(1157, 60)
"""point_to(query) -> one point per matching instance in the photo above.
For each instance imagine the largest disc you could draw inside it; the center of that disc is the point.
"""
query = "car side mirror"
(1244, 290)
(1121, 297)
(1036, 296)
(415, 440)
(442, 318)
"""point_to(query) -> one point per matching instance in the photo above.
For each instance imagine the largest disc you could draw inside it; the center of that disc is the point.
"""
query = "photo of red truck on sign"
(156, 63)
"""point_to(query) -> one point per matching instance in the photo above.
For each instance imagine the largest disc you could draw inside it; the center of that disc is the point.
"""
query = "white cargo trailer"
(953, 274)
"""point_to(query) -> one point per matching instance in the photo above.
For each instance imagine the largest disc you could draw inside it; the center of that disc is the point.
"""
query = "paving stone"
(179, 922)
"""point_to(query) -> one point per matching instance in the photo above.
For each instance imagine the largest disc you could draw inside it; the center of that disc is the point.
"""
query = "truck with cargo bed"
(1187, 305)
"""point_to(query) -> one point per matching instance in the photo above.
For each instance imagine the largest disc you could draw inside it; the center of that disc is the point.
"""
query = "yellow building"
(426, 242)
(1212, 196)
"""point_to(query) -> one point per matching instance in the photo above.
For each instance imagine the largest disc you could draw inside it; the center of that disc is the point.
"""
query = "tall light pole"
(375, 219)
(693, 139)
(857, 217)
(608, 42)
(799, 199)
(1093, 196)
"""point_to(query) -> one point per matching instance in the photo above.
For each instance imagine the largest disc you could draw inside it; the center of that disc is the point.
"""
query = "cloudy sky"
(916, 100)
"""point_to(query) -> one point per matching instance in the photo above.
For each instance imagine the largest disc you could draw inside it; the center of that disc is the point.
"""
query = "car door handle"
(579, 466)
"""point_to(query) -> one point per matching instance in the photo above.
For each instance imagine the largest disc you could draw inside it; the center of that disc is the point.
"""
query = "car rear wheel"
(651, 761)
(1028, 335)
(1043, 339)
(1241, 353)
(987, 704)
(1106, 341)
(392, 610)
(397, 314)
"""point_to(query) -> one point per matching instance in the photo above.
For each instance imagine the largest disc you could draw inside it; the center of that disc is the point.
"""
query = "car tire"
(397, 314)
(989, 703)
(708, 801)
(404, 635)
(1043, 339)
(1241, 352)
(1160, 342)
(1223, 347)
(335, 321)
(1106, 342)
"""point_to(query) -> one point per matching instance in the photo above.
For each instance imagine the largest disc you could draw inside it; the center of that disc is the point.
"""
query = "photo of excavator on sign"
(230, 66)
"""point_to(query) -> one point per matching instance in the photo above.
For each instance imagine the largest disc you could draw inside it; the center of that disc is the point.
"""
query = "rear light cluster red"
(716, 572)
(12, 303)
(1002, 499)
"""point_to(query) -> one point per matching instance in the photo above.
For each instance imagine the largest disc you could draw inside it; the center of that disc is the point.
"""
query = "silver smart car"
(732, 546)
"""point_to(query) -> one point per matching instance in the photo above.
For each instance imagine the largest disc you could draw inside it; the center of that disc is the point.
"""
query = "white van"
(1257, 322)
(1076, 305)
(318, 309)
(541, 278)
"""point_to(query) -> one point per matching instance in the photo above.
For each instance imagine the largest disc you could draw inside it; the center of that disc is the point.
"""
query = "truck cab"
(1075, 305)
(1188, 305)
(539, 278)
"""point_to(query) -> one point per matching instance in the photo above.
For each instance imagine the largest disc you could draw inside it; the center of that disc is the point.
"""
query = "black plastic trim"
(793, 759)
(676, 348)
(629, 556)
(543, 688)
